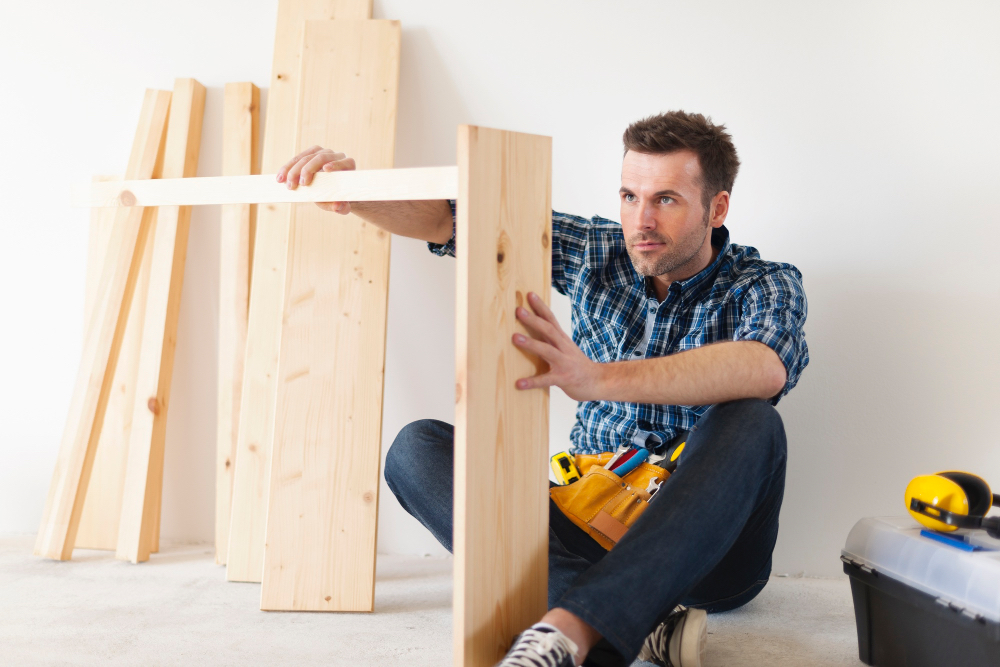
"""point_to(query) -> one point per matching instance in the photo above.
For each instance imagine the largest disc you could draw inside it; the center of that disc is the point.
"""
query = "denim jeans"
(704, 541)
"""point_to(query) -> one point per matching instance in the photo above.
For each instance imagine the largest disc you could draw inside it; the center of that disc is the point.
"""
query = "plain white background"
(869, 138)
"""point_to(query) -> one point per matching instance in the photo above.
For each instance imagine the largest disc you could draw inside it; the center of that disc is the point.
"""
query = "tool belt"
(603, 504)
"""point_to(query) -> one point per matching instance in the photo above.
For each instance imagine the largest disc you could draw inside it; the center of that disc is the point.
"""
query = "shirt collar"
(690, 287)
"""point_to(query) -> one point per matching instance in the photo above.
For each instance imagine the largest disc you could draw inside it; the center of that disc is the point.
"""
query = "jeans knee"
(754, 415)
(408, 450)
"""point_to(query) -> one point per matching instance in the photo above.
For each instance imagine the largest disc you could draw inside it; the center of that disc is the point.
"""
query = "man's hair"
(678, 130)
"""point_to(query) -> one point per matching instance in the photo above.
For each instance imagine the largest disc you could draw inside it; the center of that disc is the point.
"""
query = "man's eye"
(629, 197)
(666, 200)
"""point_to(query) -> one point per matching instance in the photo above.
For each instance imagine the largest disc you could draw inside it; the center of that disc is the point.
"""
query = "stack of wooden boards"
(302, 342)
(316, 298)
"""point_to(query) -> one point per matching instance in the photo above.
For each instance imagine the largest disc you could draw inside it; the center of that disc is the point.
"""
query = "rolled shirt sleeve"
(774, 312)
(447, 248)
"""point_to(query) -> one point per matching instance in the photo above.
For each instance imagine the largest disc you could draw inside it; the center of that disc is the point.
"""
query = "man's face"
(663, 220)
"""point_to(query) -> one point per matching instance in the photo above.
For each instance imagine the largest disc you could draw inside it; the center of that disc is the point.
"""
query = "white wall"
(869, 139)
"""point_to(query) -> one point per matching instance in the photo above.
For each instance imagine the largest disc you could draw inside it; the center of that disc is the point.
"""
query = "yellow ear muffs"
(977, 491)
(937, 492)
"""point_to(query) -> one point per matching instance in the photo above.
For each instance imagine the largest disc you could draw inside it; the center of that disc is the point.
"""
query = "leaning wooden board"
(102, 343)
(240, 157)
(503, 234)
(323, 501)
(245, 559)
(138, 530)
(103, 503)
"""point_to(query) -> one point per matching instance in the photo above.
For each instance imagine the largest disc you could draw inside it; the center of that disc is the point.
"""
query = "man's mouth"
(643, 246)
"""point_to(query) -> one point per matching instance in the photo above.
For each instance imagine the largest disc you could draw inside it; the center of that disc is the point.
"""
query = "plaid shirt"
(616, 316)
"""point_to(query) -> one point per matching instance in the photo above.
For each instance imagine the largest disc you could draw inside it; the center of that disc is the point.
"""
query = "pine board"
(240, 157)
(503, 232)
(322, 513)
(368, 185)
(102, 504)
(102, 343)
(245, 558)
(138, 530)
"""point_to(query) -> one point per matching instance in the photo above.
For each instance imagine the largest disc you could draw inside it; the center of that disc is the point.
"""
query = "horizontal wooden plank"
(365, 185)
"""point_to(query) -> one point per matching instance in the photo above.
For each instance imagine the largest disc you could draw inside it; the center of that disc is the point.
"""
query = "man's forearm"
(702, 376)
(428, 220)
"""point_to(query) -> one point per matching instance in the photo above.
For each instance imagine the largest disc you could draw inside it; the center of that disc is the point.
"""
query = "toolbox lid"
(964, 579)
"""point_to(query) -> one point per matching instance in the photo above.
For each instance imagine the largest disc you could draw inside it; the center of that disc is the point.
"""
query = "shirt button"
(637, 353)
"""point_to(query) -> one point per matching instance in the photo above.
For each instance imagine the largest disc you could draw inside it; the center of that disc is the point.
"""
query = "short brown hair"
(678, 130)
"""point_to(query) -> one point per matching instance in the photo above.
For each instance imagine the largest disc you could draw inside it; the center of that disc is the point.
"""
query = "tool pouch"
(602, 503)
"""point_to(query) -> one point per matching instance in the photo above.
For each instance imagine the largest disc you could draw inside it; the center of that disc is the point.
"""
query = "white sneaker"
(541, 645)
(679, 641)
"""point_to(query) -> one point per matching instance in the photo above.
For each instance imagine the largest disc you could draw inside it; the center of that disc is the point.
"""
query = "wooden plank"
(64, 504)
(319, 553)
(240, 157)
(138, 531)
(245, 559)
(102, 504)
(368, 185)
(503, 229)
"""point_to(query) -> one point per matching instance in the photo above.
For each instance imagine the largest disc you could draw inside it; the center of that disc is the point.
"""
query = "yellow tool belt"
(602, 503)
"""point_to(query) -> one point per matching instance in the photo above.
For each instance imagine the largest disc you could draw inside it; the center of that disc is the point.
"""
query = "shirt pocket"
(599, 339)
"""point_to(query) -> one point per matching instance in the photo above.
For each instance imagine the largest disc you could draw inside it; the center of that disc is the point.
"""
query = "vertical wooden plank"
(504, 219)
(321, 520)
(245, 559)
(139, 525)
(64, 504)
(102, 505)
(240, 157)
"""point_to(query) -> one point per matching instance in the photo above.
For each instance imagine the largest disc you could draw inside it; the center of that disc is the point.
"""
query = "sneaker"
(679, 641)
(541, 645)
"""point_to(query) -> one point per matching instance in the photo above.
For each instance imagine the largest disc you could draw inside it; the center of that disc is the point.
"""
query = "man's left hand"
(569, 368)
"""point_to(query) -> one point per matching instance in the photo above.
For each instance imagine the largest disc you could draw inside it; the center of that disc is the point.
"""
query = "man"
(678, 335)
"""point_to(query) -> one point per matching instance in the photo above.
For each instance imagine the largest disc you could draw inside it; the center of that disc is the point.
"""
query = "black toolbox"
(924, 599)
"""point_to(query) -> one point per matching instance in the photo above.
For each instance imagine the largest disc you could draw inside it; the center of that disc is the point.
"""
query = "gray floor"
(178, 609)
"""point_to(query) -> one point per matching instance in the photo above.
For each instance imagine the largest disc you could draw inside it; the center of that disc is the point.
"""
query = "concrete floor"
(177, 609)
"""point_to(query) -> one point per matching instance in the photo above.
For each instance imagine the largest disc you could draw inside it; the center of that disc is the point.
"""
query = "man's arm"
(703, 376)
(426, 220)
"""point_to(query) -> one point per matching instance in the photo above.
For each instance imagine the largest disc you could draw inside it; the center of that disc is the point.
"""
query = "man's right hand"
(301, 169)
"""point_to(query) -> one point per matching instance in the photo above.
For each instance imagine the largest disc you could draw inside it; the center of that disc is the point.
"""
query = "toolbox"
(921, 598)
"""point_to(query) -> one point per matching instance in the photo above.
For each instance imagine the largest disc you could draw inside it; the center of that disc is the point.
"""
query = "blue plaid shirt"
(616, 316)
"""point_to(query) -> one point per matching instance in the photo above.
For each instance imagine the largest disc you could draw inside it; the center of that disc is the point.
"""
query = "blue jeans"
(705, 540)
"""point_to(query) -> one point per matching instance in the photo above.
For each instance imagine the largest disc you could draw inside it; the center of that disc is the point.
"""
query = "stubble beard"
(674, 256)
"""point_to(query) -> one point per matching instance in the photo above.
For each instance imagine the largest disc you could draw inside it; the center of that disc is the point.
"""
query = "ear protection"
(951, 500)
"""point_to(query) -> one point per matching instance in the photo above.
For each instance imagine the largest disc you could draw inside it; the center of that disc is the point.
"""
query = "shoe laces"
(539, 648)
(658, 641)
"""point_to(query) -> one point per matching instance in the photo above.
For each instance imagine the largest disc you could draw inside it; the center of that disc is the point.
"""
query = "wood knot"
(281, 77)
(545, 239)
(126, 198)
(252, 448)
(368, 496)
(153, 405)
(327, 598)
(228, 463)
(504, 268)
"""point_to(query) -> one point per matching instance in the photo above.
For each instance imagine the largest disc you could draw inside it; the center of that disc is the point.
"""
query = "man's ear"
(719, 209)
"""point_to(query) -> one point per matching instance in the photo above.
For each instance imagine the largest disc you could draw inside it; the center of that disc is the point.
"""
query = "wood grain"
(102, 343)
(240, 157)
(503, 234)
(368, 185)
(245, 558)
(322, 513)
(138, 530)
(102, 505)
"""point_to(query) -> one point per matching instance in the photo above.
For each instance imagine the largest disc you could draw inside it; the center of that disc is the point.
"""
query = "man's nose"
(647, 217)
